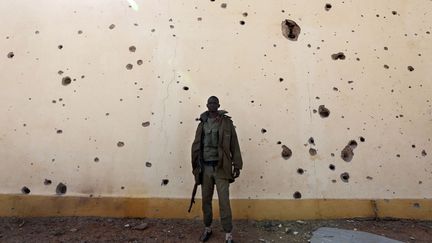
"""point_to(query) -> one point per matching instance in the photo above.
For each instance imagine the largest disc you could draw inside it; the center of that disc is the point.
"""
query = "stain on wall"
(101, 98)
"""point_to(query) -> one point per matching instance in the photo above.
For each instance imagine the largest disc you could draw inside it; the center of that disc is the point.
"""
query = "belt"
(211, 163)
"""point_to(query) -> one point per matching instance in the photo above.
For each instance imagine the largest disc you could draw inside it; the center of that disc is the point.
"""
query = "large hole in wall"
(290, 29)
(345, 177)
(286, 152)
(66, 80)
(323, 111)
(25, 190)
(164, 182)
(61, 189)
(347, 153)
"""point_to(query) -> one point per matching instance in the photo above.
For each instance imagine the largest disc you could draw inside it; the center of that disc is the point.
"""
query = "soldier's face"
(213, 105)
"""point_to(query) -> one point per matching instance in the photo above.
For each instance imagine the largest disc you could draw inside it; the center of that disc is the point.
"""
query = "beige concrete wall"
(241, 64)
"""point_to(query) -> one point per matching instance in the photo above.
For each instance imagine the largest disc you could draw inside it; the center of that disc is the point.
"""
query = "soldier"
(216, 160)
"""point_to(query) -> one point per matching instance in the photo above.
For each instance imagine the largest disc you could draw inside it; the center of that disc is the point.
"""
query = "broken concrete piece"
(333, 235)
(142, 226)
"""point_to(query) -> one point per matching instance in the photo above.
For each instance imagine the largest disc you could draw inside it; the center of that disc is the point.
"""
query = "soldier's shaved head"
(213, 98)
(213, 103)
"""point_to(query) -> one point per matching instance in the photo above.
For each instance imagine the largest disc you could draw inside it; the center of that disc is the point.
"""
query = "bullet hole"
(345, 177)
(416, 205)
(339, 55)
(332, 167)
(242, 22)
(281, 79)
(312, 151)
(290, 29)
(347, 153)
(263, 130)
(199, 18)
(279, 142)
(245, 14)
(185, 88)
(164, 182)
(223, 5)
(25, 190)
(112, 26)
(323, 111)
(96, 159)
(47, 182)
(334, 181)
(410, 68)
(80, 32)
(66, 80)
(37, 32)
(398, 155)
(10, 55)
(145, 124)
(335, 89)
(140, 62)
(286, 152)
(385, 48)
(413, 146)
(386, 66)
(297, 195)
(122, 187)
(129, 66)
(148, 164)
(362, 139)
(423, 153)
(300, 171)
(311, 141)
(61, 189)
(350, 81)
(120, 144)
(132, 48)
(394, 12)
(352, 144)
(60, 47)
(369, 177)
(328, 6)
(332, 154)
(59, 131)
(60, 72)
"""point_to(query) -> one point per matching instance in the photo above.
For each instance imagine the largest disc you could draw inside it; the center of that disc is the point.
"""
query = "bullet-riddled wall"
(331, 100)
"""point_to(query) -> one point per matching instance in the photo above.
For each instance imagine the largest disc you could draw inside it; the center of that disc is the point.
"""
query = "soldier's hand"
(236, 173)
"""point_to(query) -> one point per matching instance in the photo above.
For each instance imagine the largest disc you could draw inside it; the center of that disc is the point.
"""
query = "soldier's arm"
(195, 150)
(235, 149)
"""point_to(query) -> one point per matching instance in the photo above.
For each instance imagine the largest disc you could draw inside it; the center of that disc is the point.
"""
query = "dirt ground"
(94, 229)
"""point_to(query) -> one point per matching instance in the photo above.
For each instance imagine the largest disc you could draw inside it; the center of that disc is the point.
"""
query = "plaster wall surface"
(181, 53)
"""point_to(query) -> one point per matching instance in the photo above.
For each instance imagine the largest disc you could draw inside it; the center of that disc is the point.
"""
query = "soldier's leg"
(207, 188)
(222, 186)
